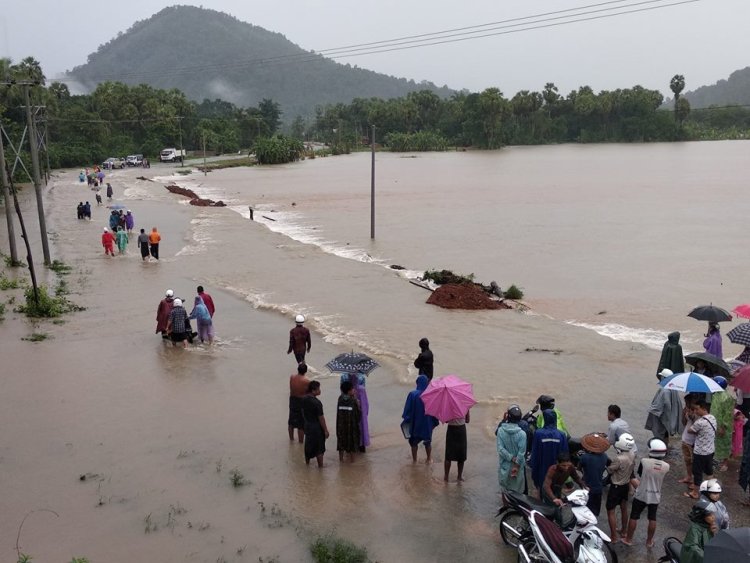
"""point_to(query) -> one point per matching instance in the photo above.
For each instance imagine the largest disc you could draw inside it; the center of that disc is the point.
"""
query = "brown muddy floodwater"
(612, 244)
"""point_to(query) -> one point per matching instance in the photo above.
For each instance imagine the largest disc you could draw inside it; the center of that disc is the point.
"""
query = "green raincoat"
(695, 540)
(722, 407)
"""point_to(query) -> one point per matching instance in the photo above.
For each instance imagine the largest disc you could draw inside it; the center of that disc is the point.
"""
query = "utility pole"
(182, 151)
(36, 176)
(372, 185)
(205, 171)
(6, 199)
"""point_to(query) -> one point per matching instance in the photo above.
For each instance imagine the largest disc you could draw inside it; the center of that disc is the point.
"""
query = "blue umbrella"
(690, 382)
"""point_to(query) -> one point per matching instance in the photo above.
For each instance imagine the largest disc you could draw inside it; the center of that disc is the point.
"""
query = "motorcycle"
(672, 547)
(578, 526)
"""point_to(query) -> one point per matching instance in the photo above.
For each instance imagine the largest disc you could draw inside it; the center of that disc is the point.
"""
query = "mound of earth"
(194, 199)
(463, 296)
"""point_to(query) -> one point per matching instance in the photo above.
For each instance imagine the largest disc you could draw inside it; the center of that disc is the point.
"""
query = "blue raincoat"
(420, 424)
(548, 442)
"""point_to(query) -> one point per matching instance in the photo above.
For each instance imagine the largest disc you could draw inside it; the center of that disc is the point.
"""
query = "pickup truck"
(172, 155)
(134, 160)
(112, 163)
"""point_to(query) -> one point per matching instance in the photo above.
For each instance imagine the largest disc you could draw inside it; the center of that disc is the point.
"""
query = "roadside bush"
(48, 306)
(278, 149)
(416, 142)
(447, 276)
(513, 292)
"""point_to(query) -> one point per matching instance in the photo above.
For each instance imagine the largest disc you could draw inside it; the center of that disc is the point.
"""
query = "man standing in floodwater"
(154, 238)
(298, 383)
(143, 244)
(299, 340)
(425, 360)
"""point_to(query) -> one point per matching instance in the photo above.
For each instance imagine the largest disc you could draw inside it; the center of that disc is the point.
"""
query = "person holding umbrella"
(418, 425)
(712, 343)
(455, 445)
(664, 412)
(704, 429)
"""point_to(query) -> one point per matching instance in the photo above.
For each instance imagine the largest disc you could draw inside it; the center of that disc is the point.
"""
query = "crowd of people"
(173, 321)
(712, 428)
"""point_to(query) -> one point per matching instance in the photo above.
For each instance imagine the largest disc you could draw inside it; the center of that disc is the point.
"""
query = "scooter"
(672, 547)
(578, 526)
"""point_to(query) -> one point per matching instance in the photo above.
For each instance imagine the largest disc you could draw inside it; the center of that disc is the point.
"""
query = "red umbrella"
(742, 311)
(447, 398)
(741, 379)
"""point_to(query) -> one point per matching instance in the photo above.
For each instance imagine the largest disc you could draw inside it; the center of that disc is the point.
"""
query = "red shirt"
(208, 302)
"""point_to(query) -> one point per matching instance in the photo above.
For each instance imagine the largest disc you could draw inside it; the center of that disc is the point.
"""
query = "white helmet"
(299, 319)
(178, 302)
(710, 486)
(169, 293)
(656, 448)
(579, 497)
(625, 443)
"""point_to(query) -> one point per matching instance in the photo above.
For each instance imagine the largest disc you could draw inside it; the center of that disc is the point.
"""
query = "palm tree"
(677, 85)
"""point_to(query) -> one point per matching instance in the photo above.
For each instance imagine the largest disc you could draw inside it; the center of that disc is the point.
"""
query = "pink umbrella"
(448, 397)
(742, 311)
(741, 379)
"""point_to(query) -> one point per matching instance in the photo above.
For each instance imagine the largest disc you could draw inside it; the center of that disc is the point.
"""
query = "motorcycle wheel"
(518, 527)
(609, 553)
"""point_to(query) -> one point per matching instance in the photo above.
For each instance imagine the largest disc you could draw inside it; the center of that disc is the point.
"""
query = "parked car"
(134, 160)
(172, 155)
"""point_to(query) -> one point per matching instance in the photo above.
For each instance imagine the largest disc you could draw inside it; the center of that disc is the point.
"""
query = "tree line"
(490, 120)
(117, 119)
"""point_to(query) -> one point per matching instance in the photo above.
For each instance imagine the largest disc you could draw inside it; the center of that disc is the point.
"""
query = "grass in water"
(48, 306)
(237, 478)
(330, 549)
(7, 283)
(36, 337)
(60, 267)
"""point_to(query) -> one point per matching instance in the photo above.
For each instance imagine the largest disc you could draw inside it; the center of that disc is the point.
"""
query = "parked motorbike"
(576, 523)
(672, 547)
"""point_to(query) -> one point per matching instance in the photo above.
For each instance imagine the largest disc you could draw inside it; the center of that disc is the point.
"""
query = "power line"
(424, 40)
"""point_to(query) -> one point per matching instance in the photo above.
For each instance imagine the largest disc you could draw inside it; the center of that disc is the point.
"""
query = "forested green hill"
(733, 91)
(208, 55)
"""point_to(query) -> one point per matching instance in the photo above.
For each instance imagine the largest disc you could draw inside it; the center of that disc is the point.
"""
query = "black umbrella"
(728, 546)
(716, 365)
(352, 362)
(740, 334)
(710, 313)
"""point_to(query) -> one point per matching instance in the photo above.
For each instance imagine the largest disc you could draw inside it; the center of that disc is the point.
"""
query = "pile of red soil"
(463, 296)
(194, 199)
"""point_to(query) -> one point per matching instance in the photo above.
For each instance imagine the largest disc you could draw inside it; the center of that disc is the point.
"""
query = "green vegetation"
(47, 307)
(330, 549)
(2, 311)
(278, 150)
(7, 283)
(232, 163)
(447, 276)
(36, 337)
(237, 478)
(513, 292)
(421, 141)
(60, 268)
(7, 259)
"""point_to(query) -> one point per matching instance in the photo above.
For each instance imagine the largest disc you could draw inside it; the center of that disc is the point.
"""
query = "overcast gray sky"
(705, 40)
